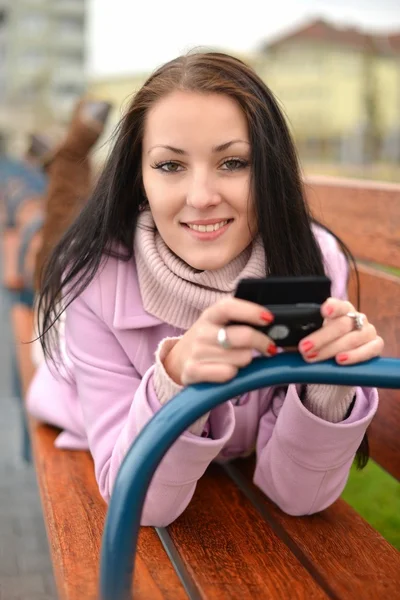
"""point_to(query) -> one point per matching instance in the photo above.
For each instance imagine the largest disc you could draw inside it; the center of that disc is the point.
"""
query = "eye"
(234, 164)
(168, 166)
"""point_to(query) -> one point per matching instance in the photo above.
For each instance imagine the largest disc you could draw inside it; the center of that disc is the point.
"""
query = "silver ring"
(358, 320)
(222, 339)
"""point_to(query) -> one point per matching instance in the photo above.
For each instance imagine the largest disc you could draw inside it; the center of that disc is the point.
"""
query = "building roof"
(322, 31)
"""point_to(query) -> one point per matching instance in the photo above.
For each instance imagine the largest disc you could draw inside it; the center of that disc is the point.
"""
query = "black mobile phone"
(295, 303)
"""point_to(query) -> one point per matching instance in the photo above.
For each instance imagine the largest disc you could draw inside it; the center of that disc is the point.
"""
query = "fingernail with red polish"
(272, 350)
(329, 310)
(312, 355)
(267, 316)
(342, 357)
(306, 346)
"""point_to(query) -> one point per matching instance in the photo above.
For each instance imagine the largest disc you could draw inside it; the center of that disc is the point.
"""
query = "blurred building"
(340, 89)
(118, 90)
(42, 64)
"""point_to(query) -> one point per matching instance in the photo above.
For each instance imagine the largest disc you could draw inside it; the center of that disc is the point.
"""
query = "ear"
(144, 205)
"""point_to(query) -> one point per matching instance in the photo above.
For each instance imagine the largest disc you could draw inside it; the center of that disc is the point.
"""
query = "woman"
(201, 189)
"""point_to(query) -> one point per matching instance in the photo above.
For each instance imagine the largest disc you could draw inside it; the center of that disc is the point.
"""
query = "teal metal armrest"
(124, 513)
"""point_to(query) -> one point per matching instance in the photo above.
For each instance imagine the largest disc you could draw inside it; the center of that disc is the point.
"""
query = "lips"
(207, 230)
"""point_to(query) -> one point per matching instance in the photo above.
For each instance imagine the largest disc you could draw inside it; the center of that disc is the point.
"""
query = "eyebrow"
(215, 149)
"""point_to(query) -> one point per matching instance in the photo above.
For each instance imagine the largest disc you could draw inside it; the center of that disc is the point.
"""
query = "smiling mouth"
(209, 228)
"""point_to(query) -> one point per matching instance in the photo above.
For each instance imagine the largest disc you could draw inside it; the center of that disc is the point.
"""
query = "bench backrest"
(366, 216)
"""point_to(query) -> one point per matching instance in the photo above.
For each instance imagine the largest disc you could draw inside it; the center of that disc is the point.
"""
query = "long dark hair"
(109, 218)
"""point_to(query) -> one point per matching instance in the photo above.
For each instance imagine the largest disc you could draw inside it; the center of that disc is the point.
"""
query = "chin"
(203, 263)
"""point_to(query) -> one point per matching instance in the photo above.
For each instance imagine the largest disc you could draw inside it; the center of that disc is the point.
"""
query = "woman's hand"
(339, 339)
(199, 357)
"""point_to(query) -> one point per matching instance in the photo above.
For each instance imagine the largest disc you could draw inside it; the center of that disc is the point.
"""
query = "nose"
(202, 191)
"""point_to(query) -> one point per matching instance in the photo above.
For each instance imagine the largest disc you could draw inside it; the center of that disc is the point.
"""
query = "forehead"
(189, 116)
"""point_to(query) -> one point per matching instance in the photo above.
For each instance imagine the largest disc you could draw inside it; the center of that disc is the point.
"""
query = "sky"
(129, 36)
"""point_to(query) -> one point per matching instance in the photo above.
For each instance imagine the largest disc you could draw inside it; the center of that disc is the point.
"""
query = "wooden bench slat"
(74, 514)
(365, 215)
(380, 297)
(74, 511)
(231, 551)
(347, 552)
(22, 324)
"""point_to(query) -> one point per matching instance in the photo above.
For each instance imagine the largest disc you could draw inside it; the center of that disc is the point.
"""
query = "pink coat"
(302, 461)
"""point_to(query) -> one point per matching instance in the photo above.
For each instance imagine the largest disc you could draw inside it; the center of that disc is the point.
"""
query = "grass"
(385, 268)
(375, 495)
(391, 270)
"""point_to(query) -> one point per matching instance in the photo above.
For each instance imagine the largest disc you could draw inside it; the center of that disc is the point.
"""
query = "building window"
(34, 23)
(65, 92)
(3, 17)
(71, 59)
(33, 59)
(69, 26)
(68, 89)
(69, 62)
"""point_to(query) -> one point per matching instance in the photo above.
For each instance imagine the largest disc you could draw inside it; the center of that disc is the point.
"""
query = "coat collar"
(129, 312)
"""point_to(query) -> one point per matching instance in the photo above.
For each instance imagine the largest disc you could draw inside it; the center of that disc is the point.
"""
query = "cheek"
(158, 194)
(151, 184)
(243, 203)
(237, 193)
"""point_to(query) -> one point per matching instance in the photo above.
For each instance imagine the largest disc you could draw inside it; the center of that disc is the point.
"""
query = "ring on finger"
(222, 339)
(358, 320)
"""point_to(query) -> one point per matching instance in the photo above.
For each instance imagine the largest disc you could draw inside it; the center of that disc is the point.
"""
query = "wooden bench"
(232, 542)
(12, 237)
(366, 216)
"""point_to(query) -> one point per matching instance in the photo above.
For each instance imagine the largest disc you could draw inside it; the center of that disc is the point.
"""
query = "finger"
(196, 372)
(239, 311)
(334, 307)
(248, 337)
(366, 352)
(212, 353)
(345, 343)
(333, 331)
(239, 337)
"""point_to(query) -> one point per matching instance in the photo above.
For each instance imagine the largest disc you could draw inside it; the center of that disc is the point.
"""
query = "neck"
(176, 293)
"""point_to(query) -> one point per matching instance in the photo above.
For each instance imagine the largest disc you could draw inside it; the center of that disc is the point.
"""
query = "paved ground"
(25, 568)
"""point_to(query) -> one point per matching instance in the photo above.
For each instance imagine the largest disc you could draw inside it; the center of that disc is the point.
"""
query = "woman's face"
(196, 175)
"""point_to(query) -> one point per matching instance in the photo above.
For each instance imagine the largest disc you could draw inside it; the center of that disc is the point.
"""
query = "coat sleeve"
(116, 404)
(303, 461)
